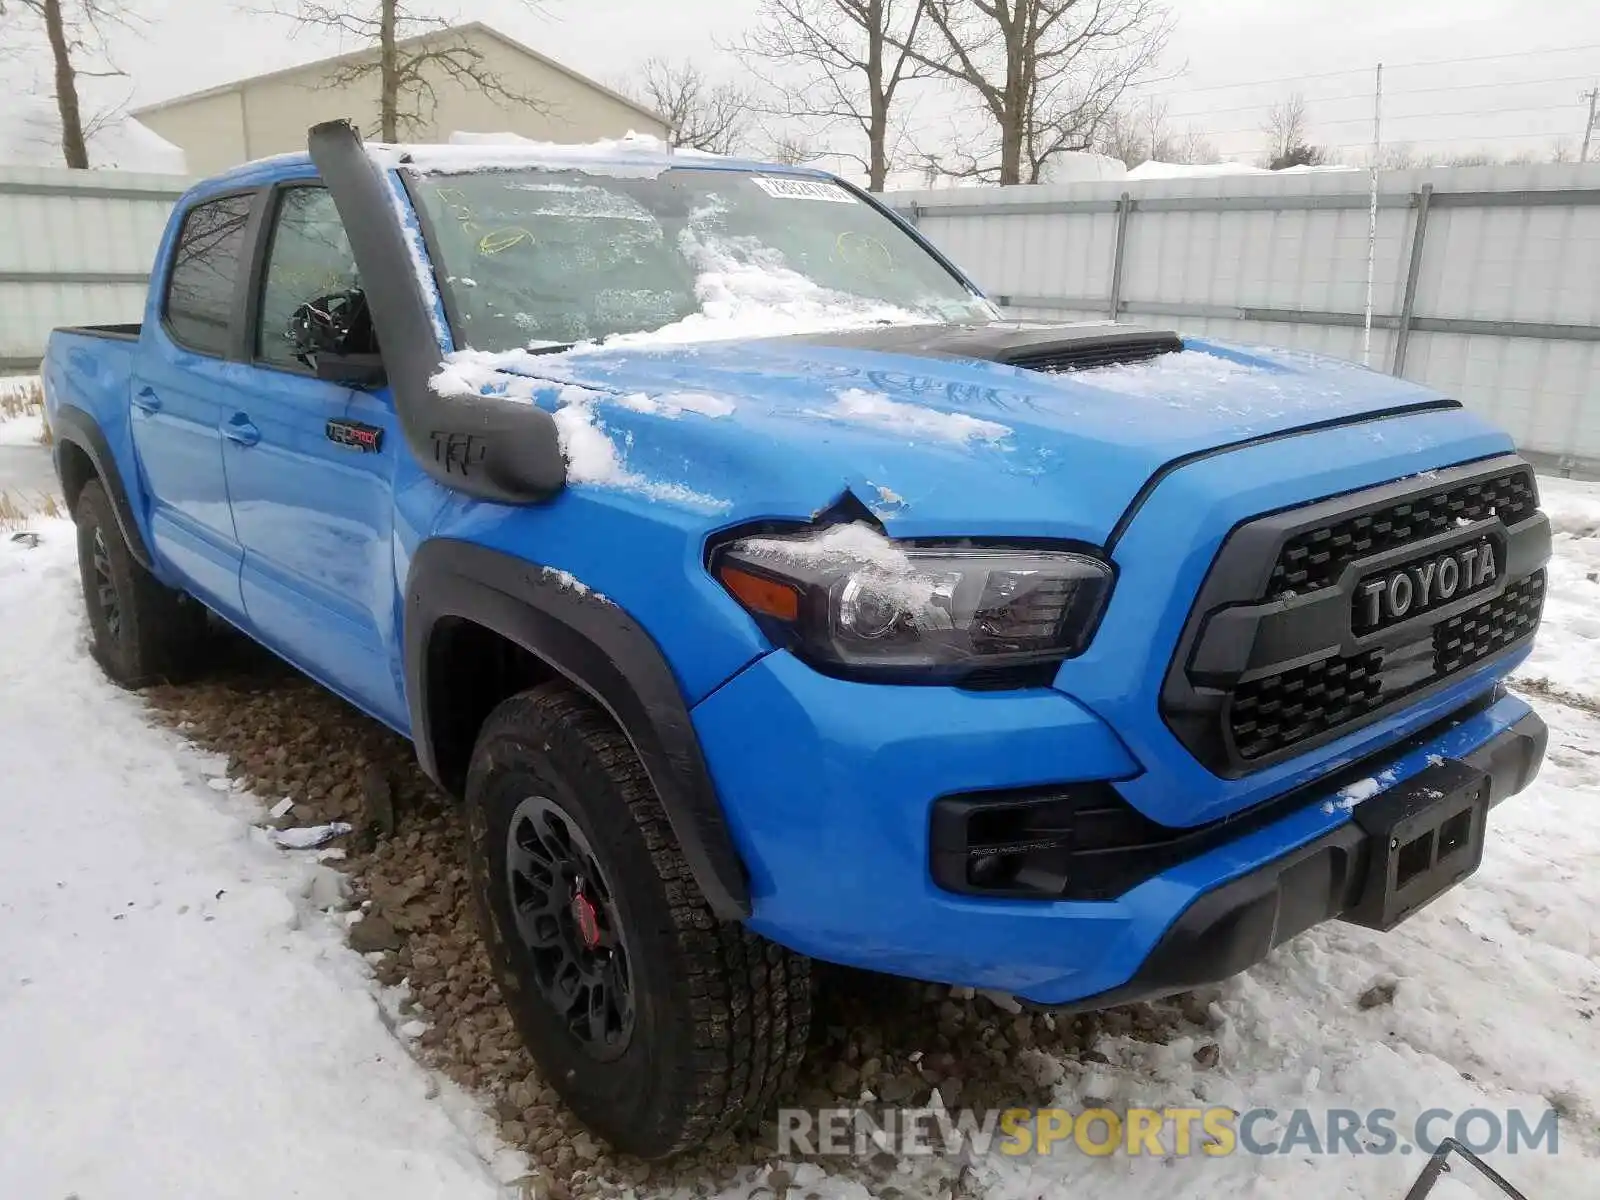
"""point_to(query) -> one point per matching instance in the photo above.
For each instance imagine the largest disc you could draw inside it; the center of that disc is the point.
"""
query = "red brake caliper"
(586, 919)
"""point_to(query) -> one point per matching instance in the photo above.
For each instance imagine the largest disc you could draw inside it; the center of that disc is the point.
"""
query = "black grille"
(1097, 353)
(1276, 712)
(1280, 710)
(1479, 632)
(1315, 558)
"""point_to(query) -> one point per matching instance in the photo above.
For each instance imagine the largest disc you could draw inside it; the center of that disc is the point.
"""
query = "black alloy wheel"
(105, 587)
(567, 920)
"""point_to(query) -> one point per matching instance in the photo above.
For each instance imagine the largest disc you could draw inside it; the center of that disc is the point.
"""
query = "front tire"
(142, 630)
(659, 1025)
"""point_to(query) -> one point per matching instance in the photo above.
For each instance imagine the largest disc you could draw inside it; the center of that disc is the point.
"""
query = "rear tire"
(143, 631)
(578, 877)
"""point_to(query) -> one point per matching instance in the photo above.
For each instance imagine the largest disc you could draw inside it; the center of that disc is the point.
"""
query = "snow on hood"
(937, 443)
(592, 455)
(915, 421)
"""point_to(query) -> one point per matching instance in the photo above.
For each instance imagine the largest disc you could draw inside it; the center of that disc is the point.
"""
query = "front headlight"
(848, 598)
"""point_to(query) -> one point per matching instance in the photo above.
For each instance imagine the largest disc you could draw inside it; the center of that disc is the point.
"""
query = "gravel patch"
(889, 1040)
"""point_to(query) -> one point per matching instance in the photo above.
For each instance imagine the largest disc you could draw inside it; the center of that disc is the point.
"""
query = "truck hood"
(936, 436)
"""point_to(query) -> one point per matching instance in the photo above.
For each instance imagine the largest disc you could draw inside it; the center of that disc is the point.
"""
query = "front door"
(182, 384)
(310, 467)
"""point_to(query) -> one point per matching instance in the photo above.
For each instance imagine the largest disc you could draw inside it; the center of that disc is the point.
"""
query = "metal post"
(1591, 96)
(1372, 216)
(1419, 233)
(1123, 206)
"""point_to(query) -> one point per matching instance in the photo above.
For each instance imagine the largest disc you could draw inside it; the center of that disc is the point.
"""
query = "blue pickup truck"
(767, 597)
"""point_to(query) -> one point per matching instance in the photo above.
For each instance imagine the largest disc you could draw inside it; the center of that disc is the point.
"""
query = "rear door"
(310, 469)
(182, 383)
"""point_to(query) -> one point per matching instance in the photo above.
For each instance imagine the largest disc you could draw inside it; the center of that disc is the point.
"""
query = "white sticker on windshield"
(802, 189)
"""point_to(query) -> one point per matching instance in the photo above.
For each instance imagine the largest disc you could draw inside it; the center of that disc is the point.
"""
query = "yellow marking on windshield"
(497, 240)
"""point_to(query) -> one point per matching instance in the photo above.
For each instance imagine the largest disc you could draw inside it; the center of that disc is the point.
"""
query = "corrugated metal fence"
(1487, 283)
(75, 248)
(1487, 280)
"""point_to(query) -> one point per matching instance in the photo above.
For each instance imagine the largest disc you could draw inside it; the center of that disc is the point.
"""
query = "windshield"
(535, 257)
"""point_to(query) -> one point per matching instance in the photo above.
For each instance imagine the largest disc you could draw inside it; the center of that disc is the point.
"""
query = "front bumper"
(1230, 929)
(828, 786)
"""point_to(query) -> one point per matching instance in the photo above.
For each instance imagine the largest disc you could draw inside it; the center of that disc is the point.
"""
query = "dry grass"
(17, 510)
(21, 397)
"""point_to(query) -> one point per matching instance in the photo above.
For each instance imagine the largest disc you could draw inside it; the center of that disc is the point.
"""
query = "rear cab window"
(199, 304)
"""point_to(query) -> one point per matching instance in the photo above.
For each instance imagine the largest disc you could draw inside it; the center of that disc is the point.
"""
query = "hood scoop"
(1110, 349)
(1030, 346)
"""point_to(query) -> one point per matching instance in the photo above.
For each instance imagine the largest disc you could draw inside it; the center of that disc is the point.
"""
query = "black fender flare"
(602, 650)
(72, 426)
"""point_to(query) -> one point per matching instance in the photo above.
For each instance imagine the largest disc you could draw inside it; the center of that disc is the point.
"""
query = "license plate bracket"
(1425, 836)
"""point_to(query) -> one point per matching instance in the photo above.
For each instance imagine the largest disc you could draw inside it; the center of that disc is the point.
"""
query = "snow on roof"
(30, 136)
(634, 155)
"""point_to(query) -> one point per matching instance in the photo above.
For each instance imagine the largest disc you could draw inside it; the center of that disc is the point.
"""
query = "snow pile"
(887, 573)
(1567, 653)
(1166, 170)
(30, 136)
(309, 837)
(1182, 379)
(674, 404)
(569, 581)
(1218, 170)
(745, 291)
(1361, 790)
(592, 457)
(873, 409)
(179, 1017)
(852, 545)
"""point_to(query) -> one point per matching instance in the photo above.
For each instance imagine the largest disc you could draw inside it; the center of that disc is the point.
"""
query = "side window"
(309, 259)
(205, 268)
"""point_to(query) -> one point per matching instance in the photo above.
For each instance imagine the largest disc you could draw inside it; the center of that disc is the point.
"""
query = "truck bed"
(121, 333)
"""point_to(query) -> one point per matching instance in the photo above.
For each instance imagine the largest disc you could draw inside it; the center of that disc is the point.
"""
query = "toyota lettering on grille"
(1421, 586)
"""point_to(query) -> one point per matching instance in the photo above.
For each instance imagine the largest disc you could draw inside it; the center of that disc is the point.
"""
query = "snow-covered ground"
(180, 1017)
(177, 1015)
(1567, 654)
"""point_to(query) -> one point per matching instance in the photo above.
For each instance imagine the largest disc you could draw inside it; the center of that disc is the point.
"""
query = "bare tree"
(787, 147)
(1142, 134)
(1048, 73)
(699, 113)
(75, 31)
(407, 64)
(854, 56)
(1288, 130)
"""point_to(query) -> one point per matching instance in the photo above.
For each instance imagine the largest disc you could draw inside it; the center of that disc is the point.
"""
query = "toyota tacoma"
(766, 596)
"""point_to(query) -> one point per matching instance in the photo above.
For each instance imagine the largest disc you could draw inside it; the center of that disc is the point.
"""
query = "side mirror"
(333, 336)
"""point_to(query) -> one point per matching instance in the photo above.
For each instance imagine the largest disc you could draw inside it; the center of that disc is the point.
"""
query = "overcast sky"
(1545, 53)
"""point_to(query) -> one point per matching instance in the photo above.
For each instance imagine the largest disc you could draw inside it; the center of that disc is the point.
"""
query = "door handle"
(146, 399)
(240, 429)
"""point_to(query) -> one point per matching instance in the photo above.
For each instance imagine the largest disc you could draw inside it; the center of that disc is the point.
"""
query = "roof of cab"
(622, 157)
